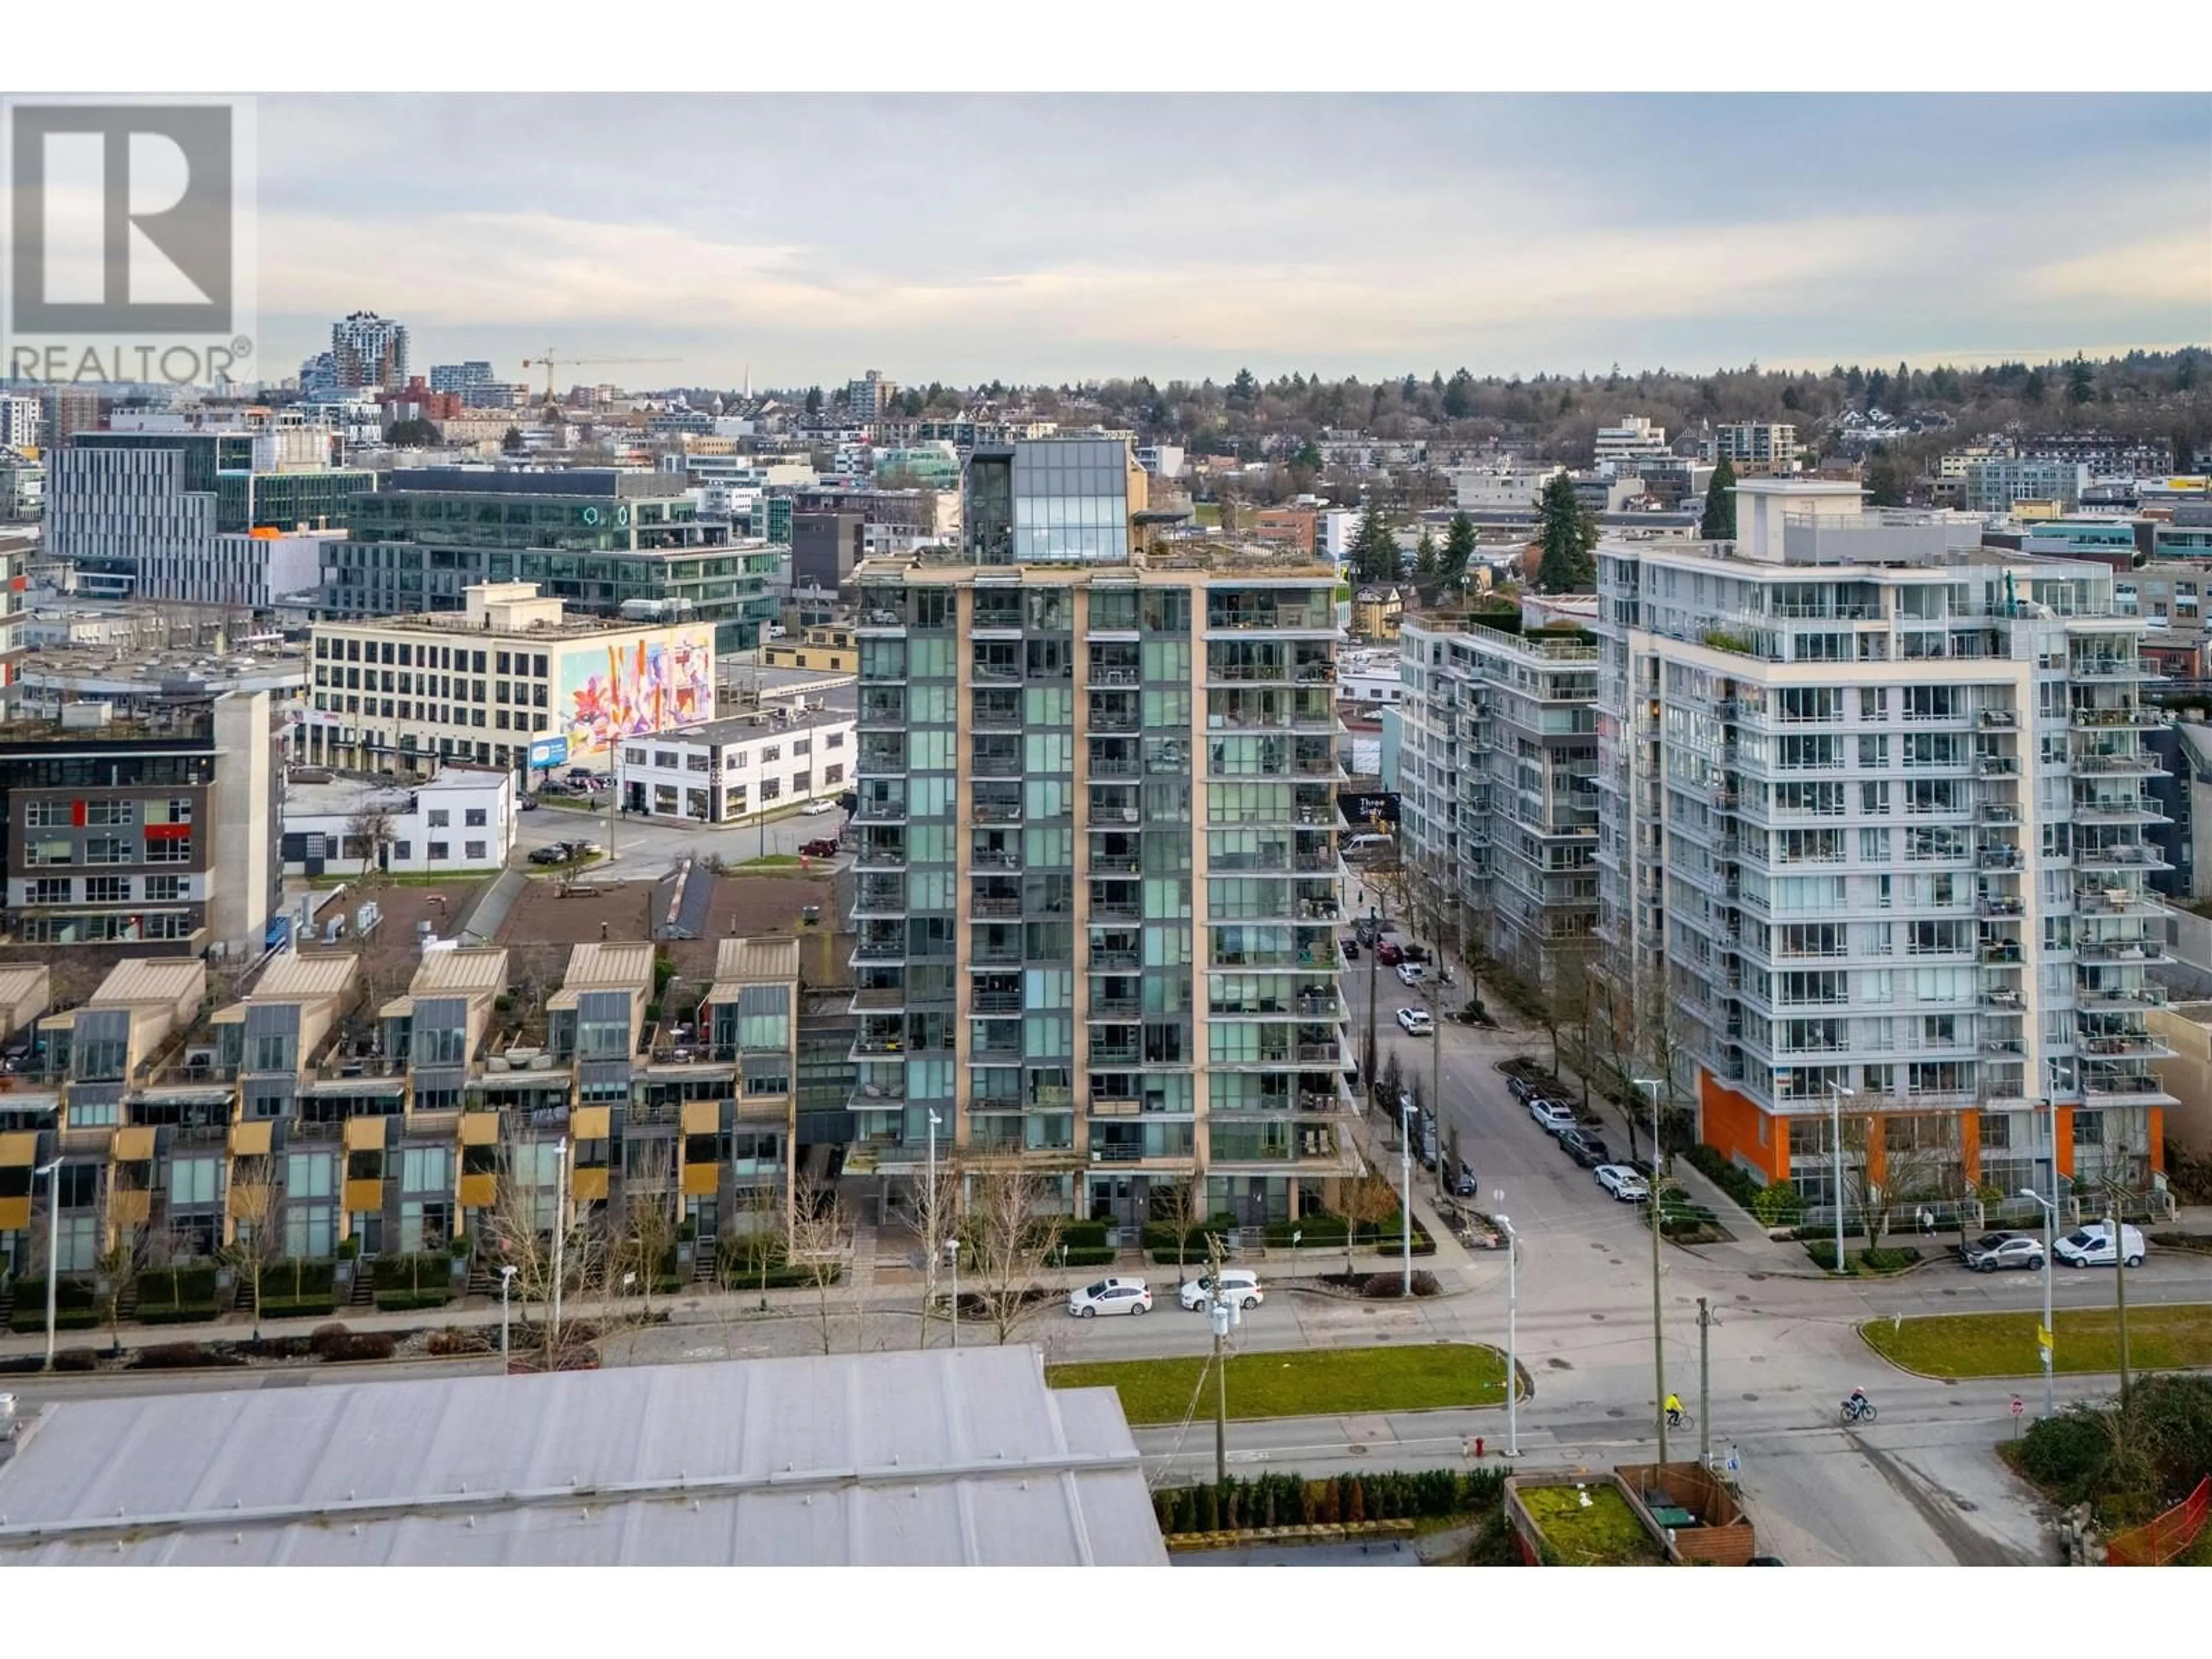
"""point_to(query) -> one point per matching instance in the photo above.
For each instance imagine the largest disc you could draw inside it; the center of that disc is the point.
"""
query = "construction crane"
(552, 365)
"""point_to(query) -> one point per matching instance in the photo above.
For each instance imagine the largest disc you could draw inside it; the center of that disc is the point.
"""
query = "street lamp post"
(1658, 1329)
(1374, 939)
(1406, 1194)
(1836, 1093)
(506, 1285)
(2050, 1343)
(53, 1171)
(560, 1238)
(1512, 1320)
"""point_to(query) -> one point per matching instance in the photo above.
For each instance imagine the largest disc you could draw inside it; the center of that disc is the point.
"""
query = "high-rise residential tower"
(1095, 890)
(1872, 845)
(368, 352)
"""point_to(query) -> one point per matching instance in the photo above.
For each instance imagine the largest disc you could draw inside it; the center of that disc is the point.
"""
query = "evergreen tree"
(1374, 548)
(1569, 533)
(1719, 522)
(814, 400)
(1426, 569)
(2031, 389)
(510, 441)
(1459, 552)
(2081, 388)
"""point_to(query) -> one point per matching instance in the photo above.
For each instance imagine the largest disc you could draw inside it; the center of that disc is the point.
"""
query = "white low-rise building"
(461, 819)
(730, 769)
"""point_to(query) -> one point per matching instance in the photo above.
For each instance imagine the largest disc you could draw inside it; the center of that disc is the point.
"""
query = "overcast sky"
(1062, 238)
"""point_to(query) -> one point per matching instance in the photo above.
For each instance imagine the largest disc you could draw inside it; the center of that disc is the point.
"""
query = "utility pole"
(1705, 1384)
(1512, 1332)
(1407, 1127)
(1223, 1313)
(2120, 1290)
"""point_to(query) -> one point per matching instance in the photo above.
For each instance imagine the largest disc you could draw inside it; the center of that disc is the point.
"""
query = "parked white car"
(1411, 973)
(1553, 1117)
(1994, 1250)
(1416, 1022)
(815, 808)
(1239, 1284)
(1113, 1296)
(2092, 1247)
(1623, 1183)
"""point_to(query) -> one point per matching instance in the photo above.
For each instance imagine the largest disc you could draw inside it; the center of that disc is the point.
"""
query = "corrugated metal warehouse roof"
(938, 1459)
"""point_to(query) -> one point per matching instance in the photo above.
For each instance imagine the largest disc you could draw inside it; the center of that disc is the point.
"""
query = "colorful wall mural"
(650, 684)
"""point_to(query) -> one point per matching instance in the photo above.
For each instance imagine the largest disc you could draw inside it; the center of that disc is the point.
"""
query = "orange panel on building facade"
(1737, 1128)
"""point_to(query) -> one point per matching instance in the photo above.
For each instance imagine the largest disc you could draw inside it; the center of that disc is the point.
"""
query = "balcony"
(995, 812)
(879, 811)
(1114, 959)
(880, 947)
(996, 904)
(995, 857)
(1108, 864)
(996, 1002)
(2124, 717)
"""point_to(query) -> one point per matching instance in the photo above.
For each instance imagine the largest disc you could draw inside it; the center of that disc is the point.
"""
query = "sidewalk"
(696, 1306)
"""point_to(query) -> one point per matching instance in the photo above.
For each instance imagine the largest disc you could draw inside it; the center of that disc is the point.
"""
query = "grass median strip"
(2160, 1337)
(1325, 1383)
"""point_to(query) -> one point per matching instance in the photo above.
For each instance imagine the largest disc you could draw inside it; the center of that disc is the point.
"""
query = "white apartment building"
(1633, 438)
(461, 819)
(1995, 482)
(20, 421)
(1756, 445)
(482, 684)
(1509, 488)
(1497, 803)
(1872, 831)
(730, 769)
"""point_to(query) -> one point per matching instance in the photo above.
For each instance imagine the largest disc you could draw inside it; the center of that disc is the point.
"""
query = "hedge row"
(1879, 1259)
(1728, 1177)
(188, 1313)
(408, 1301)
(1291, 1500)
(293, 1307)
(171, 1287)
(413, 1274)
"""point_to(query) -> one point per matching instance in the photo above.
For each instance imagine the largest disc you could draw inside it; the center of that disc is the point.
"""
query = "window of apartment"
(441, 819)
(771, 752)
(52, 890)
(438, 850)
(37, 853)
(105, 813)
(176, 810)
(165, 887)
(179, 851)
(474, 851)
(666, 759)
(106, 890)
(696, 761)
(771, 789)
(474, 818)
(834, 740)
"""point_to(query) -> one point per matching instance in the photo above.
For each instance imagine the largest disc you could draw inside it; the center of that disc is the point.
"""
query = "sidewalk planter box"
(178, 1296)
(291, 1289)
(77, 1305)
(404, 1282)
(1621, 1525)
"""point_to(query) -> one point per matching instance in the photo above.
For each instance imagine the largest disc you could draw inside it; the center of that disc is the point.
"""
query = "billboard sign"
(549, 751)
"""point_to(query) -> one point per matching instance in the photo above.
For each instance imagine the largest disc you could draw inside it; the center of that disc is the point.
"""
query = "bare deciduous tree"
(820, 1240)
(936, 1211)
(120, 1267)
(1176, 1196)
(1366, 1199)
(1009, 1243)
(370, 833)
(557, 1262)
(256, 1241)
(645, 1238)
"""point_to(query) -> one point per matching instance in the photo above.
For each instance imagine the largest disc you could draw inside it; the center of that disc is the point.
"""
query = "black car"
(556, 853)
(1586, 1149)
(1465, 1185)
(1351, 950)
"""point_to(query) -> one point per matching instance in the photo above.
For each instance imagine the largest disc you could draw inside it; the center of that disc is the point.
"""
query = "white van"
(2092, 1247)
(1357, 846)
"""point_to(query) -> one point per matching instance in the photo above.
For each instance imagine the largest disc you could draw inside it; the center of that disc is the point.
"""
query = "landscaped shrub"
(77, 1360)
(178, 1356)
(2067, 1453)
(362, 1345)
(1085, 1256)
(1288, 1500)
(452, 1340)
(1888, 1259)
(325, 1339)
(1083, 1235)
(169, 1287)
(1731, 1178)
(409, 1301)
(1778, 1204)
(77, 1305)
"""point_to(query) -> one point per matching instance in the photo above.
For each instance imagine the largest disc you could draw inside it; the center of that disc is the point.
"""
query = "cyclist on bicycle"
(1674, 1408)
